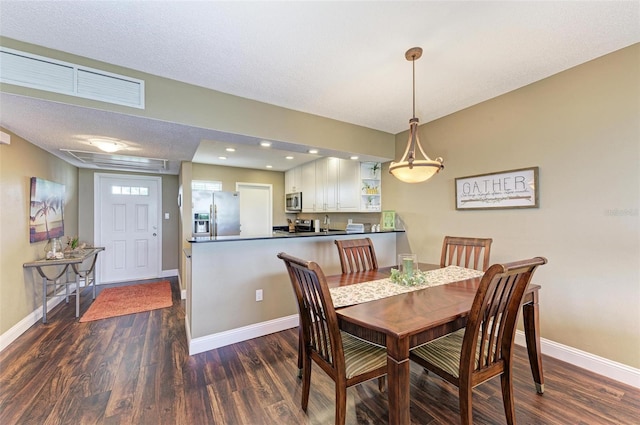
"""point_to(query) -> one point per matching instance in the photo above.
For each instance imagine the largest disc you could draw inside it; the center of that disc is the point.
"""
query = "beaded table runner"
(369, 291)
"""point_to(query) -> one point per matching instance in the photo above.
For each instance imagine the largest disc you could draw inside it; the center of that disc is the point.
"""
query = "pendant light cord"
(413, 62)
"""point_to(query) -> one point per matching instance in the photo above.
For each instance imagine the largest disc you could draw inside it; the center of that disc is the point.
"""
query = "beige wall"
(20, 161)
(170, 231)
(581, 127)
(173, 101)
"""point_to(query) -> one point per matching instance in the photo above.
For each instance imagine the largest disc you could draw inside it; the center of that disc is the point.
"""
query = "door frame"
(97, 214)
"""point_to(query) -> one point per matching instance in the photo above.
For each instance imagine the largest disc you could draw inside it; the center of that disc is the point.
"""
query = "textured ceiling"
(342, 60)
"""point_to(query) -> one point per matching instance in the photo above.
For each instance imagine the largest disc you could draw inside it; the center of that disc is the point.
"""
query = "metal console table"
(75, 261)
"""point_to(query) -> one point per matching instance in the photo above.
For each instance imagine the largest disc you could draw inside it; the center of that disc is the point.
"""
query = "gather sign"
(505, 189)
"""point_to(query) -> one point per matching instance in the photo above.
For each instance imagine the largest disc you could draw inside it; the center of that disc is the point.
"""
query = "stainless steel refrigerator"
(223, 209)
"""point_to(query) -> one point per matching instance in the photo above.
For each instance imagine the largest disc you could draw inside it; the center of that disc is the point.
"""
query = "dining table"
(406, 320)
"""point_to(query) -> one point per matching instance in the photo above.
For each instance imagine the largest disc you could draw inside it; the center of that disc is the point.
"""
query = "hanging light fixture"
(409, 169)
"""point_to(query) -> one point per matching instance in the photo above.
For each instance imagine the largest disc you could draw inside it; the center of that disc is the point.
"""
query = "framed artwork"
(388, 220)
(505, 189)
(46, 216)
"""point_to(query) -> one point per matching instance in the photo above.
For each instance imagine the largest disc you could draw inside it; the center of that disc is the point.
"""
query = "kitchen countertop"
(280, 234)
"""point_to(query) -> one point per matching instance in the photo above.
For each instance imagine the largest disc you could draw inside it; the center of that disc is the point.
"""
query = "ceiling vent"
(38, 72)
(109, 160)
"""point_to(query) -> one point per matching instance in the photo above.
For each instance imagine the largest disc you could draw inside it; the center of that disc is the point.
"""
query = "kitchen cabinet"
(327, 184)
(371, 192)
(320, 181)
(308, 185)
(293, 180)
(336, 185)
(348, 185)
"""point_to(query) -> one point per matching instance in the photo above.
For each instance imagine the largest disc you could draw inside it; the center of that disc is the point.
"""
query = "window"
(206, 185)
(130, 190)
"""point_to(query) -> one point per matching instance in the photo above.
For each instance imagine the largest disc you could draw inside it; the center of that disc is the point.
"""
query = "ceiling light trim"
(122, 161)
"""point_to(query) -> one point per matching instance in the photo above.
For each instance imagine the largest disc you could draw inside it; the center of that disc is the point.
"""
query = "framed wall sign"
(504, 189)
(388, 220)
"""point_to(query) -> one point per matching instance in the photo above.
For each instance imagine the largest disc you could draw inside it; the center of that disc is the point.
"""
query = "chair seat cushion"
(361, 356)
(443, 352)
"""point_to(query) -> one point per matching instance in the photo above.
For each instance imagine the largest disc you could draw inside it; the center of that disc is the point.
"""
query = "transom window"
(130, 190)
(206, 185)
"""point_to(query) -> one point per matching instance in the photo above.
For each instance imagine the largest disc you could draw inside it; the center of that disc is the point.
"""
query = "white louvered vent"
(28, 70)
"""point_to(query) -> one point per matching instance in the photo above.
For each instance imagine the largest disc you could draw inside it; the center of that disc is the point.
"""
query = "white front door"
(256, 209)
(127, 224)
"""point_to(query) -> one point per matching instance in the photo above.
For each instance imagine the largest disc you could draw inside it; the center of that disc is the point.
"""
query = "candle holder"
(407, 264)
(407, 273)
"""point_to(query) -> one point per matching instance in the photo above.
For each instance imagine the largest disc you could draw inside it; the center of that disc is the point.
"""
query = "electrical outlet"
(258, 294)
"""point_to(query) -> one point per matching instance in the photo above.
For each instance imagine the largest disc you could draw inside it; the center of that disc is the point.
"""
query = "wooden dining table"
(402, 322)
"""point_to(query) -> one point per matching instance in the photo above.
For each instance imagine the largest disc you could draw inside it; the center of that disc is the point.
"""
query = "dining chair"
(484, 348)
(460, 251)
(346, 359)
(357, 255)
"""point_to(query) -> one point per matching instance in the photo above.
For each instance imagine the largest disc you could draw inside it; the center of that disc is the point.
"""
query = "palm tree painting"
(46, 218)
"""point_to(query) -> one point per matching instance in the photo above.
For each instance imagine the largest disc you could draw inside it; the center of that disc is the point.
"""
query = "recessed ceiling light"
(354, 157)
(313, 150)
(230, 149)
(289, 157)
(269, 166)
(222, 157)
(265, 144)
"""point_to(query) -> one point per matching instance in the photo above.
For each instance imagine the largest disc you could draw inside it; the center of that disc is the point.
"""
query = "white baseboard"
(608, 368)
(187, 331)
(169, 273)
(209, 342)
(22, 326)
(183, 292)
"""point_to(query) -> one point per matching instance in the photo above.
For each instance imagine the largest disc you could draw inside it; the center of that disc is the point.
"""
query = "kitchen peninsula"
(238, 289)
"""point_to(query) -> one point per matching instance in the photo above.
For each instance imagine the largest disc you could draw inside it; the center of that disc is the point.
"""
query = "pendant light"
(410, 169)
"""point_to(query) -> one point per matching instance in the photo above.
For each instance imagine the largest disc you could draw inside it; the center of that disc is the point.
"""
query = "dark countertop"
(280, 234)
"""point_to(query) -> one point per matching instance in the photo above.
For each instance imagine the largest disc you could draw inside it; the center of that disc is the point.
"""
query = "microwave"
(293, 202)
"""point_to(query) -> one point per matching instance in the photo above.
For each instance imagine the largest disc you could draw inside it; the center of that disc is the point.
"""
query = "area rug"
(124, 300)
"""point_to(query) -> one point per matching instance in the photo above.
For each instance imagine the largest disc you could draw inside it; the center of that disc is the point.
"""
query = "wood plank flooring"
(136, 370)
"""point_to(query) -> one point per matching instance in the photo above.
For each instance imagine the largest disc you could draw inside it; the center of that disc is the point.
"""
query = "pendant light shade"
(411, 169)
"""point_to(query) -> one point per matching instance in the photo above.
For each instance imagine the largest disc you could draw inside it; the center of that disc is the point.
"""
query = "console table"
(76, 262)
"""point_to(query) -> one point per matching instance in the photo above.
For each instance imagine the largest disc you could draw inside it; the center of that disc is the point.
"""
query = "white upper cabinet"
(308, 174)
(336, 185)
(348, 186)
(293, 180)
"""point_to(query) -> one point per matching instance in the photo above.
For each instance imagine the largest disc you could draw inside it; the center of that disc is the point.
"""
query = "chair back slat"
(466, 252)
(320, 331)
(357, 255)
(490, 331)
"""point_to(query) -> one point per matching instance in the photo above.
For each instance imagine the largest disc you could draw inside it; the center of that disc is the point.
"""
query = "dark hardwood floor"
(136, 370)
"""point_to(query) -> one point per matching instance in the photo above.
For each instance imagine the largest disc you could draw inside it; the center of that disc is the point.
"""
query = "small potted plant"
(73, 246)
(375, 168)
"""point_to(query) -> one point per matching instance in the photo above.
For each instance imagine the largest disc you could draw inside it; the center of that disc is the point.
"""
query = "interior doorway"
(256, 209)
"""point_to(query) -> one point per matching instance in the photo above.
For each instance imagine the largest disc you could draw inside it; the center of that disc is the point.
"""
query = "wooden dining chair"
(484, 348)
(346, 359)
(466, 252)
(357, 255)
